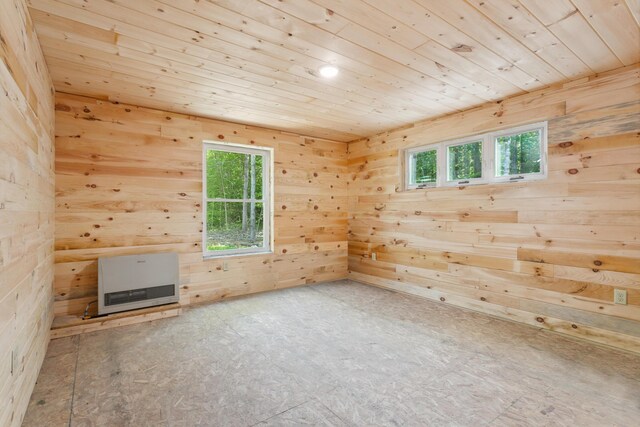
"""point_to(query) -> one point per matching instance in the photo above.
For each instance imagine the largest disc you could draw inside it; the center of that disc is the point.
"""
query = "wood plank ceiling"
(256, 62)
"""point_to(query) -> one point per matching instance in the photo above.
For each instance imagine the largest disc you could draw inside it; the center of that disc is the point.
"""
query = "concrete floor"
(333, 354)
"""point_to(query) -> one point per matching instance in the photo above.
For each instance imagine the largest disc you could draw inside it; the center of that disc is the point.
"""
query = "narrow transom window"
(237, 194)
(422, 167)
(519, 154)
(464, 162)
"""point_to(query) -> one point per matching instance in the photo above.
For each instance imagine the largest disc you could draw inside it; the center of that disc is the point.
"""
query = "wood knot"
(574, 326)
(284, 172)
(284, 207)
(483, 299)
(462, 48)
(597, 262)
(316, 247)
(182, 194)
(418, 213)
(565, 144)
(284, 251)
(539, 319)
(442, 299)
(572, 171)
(221, 136)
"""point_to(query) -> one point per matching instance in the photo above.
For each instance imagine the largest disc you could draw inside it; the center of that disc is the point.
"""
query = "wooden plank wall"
(26, 209)
(547, 253)
(129, 180)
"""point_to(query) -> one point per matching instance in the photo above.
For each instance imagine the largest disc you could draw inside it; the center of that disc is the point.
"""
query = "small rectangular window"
(464, 162)
(422, 168)
(236, 199)
(518, 154)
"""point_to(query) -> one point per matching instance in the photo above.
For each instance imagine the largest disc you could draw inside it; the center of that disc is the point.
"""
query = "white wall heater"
(137, 281)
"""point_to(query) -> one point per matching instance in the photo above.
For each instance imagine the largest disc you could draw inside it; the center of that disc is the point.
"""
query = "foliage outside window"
(516, 154)
(464, 161)
(236, 199)
(424, 167)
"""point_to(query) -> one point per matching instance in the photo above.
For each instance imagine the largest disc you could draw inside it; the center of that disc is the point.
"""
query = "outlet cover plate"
(620, 296)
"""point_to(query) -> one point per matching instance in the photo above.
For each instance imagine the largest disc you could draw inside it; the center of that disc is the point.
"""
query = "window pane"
(231, 175)
(425, 167)
(234, 225)
(518, 154)
(465, 161)
(258, 178)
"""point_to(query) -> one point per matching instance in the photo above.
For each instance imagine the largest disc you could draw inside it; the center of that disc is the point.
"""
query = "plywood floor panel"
(333, 354)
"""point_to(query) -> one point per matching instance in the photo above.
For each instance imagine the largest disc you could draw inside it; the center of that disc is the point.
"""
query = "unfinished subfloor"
(339, 353)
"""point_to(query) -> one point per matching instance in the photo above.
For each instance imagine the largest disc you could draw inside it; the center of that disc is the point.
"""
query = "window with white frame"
(516, 154)
(423, 166)
(464, 161)
(236, 199)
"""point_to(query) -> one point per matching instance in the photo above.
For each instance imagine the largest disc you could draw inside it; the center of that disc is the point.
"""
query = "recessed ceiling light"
(328, 71)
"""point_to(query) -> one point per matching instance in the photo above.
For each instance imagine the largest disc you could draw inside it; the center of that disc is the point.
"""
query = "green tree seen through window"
(465, 161)
(518, 154)
(425, 167)
(235, 218)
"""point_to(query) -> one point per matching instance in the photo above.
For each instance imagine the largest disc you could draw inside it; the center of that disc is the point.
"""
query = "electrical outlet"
(225, 266)
(620, 296)
(374, 256)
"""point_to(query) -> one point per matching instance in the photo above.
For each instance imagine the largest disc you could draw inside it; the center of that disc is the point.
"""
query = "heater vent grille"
(122, 297)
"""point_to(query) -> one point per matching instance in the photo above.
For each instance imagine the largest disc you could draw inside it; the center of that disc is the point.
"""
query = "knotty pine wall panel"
(129, 181)
(549, 253)
(26, 210)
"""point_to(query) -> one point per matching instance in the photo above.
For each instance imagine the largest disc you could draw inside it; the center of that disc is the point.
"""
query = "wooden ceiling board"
(634, 8)
(256, 61)
(564, 21)
(613, 21)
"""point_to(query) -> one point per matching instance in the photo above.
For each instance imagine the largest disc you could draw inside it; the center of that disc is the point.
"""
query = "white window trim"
(410, 166)
(267, 200)
(488, 159)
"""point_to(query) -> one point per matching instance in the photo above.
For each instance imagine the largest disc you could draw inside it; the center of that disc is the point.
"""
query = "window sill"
(232, 255)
